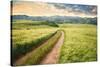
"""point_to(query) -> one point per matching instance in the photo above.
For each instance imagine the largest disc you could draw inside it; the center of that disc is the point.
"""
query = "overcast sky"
(52, 9)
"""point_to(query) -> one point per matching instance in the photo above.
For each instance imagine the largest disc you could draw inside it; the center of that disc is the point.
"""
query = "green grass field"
(37, 55)
(26, 36)
(23, 40)
(80, 42)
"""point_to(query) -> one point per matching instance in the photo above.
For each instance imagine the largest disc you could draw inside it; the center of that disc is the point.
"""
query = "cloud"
(51, 9)
(87, 9)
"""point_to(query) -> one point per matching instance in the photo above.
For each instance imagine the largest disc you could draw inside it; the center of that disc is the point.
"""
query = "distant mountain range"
(57, 19)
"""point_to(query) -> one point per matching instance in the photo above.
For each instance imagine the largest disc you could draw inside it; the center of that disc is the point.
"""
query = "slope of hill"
(57, 19)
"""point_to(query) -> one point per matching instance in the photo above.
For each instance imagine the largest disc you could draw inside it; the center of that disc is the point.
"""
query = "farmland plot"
(80, 43)
(24, 41)
(22, 36)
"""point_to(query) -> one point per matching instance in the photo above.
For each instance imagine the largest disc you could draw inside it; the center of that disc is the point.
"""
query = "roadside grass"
(23, 41)
(80, 44)
(37, 55)
(22, 49)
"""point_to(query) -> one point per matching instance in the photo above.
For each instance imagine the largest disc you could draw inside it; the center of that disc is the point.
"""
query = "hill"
(57, 19)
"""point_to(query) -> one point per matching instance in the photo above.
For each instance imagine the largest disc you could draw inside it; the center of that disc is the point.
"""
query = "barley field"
(80, 43)
(26, 36)
(25, 40)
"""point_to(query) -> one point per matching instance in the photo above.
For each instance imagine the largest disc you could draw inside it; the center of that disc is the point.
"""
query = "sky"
(31, 8)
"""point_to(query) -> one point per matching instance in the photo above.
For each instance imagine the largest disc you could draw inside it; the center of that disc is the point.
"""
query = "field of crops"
(26, 36)
(80, 43)
(24, 40)
(29, 24)
(38, 54)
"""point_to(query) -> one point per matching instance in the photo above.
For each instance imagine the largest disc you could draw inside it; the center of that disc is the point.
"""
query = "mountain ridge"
(57, 19)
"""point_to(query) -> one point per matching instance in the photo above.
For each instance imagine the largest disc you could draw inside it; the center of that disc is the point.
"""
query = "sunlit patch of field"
(23, 41)
(26, 36)
(35, 56)
(80, 43)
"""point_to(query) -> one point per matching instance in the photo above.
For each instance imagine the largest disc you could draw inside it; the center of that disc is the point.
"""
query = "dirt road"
(53, 56)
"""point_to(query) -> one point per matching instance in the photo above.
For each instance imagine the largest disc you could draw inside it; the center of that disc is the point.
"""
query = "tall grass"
(80, 44)
(22, 49)
(37, 55)
(23, 41)
(26, 36)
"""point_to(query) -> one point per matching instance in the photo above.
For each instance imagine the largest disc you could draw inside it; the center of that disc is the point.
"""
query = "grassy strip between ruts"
(22, 49)
(37, 55)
